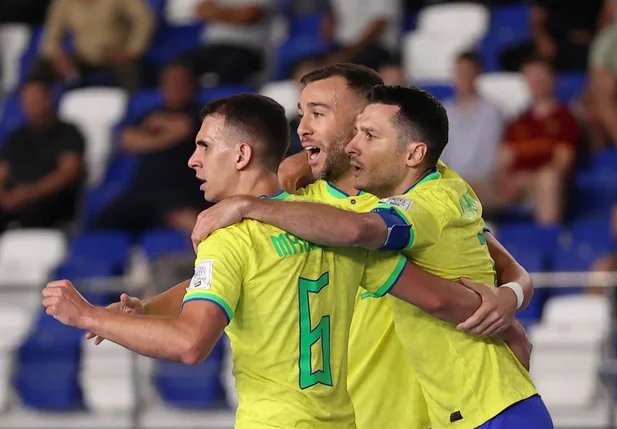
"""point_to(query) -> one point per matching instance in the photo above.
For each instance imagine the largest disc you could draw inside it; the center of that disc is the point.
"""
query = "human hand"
(15, 198)
(225, 213)
(127, 304)
(495, 314)
(519, 343)
(62, 301)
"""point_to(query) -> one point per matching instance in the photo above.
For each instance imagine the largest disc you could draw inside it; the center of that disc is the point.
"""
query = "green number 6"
(309, 336)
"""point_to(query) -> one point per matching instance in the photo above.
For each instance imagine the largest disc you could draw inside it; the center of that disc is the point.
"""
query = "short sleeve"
(219, 272)
(381, 272)
(73, 140)
(416, 224)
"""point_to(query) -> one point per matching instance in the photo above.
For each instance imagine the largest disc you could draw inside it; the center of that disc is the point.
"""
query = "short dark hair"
(471, 56)
(259, 117)
(535, 59)
(359, 79)
(421, 117)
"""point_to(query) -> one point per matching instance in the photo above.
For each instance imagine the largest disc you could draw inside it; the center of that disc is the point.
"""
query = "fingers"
(495, 328)
(483, 325)
(90, 335)
(98, 340)
(476, 318)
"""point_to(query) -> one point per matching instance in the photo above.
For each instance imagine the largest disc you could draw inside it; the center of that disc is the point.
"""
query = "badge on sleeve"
(202, 279)
(404, 203)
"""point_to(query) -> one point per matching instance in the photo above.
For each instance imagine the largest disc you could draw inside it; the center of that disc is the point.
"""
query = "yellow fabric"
(459, 374)
(290, 305)
(381, 382)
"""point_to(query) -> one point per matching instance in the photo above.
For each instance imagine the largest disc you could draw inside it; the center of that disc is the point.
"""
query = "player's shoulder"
(315, 191)
(232, 237)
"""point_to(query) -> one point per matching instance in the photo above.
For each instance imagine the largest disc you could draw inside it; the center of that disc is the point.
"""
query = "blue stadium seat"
(27, 59)
(304, 40)
(509, 25)
(410, 20)
(594, 233)
(157, 6)
(520, 238)
(78, 270)
(110, 248)
(164, 241)
(192, 387)
(569, 85)
(141, 103)
(209, 94)
(47, 366)
(441, 92)
(170, 42)
(596, 187)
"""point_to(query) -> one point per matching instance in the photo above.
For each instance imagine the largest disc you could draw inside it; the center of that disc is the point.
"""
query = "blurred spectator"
(392, 71)
(602, 103)
(163, 191)
(476, 127)
(561, 34)
(300, 69)
(235, 39)
(537, 157)
(365, 32)
(41, 165)
(109, 35)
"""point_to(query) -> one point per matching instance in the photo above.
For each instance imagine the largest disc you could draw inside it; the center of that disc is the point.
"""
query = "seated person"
(108, 34)
(41, 165)
(536, 159)
(162, 192)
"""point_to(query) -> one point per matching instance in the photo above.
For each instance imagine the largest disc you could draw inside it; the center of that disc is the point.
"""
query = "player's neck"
(258, 184)
(345, 183)
(414, 177)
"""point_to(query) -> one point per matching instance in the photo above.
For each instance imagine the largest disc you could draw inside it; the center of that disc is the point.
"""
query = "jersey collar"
(434, 174)
(283, 195)
(338, 193)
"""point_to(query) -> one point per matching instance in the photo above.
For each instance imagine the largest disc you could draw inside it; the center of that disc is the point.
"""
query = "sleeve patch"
(202, 279)
(404, 203)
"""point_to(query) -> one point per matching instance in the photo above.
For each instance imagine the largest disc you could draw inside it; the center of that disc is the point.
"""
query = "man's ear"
(415, 154)
(244, 155)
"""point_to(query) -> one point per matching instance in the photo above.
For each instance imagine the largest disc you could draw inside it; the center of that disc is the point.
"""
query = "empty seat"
(520, 237)
(430, 57)
(179, 12)
(286, 93)
(509, 25)
(441, 92)
(585, 311)
(106, 377)
(570, 85)
(95, 111)
(27, 256)
(108, 248)
(14, 40)
(191, 386)
(507, 90)
(459, 20)
(161, 242)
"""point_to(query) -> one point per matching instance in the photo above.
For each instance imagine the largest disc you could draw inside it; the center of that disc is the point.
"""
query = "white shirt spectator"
(256, 36)
(474, 137)
(353, 17)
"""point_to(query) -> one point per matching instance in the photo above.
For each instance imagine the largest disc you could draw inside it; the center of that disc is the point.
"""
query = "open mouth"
(202, 181)
(312, 152)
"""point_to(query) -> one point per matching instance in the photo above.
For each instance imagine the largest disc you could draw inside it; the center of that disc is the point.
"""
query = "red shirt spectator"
(534, 139)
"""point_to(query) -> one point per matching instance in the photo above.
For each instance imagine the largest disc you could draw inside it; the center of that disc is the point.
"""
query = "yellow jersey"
(289, 305)
(381, 381)
(466, 380)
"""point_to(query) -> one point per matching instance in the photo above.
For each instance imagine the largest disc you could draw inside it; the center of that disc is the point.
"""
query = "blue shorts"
(528, 413)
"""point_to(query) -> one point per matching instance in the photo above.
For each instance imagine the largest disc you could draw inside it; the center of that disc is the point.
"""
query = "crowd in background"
(528, 161)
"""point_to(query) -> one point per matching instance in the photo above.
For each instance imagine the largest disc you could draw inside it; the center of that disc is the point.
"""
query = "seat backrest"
(14, 41)
(286, 93)
(180, 12)
(95, 111)
(508, 91)
(577, 310)
(28, 255)
(454, 20)
(430, 57)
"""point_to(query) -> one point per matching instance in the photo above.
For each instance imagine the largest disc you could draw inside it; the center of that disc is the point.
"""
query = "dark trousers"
(47, 212)
(127, 76)
(232, 64)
